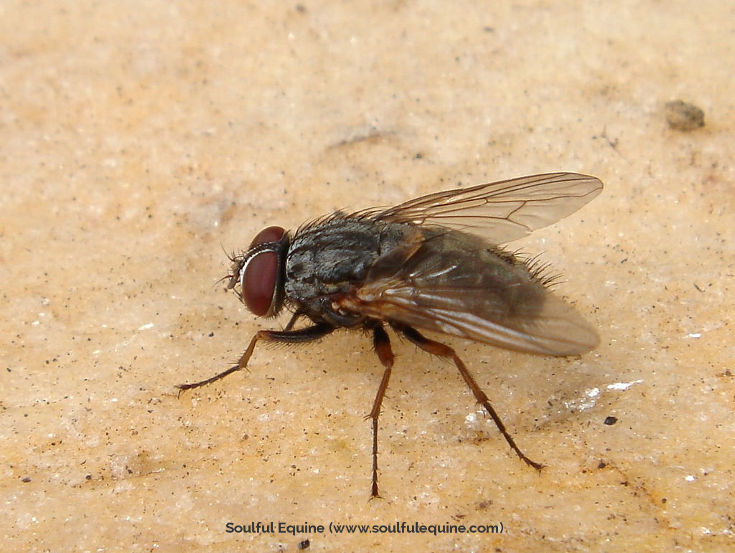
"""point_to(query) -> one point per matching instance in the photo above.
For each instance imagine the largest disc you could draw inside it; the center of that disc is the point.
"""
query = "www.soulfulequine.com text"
(398, 527)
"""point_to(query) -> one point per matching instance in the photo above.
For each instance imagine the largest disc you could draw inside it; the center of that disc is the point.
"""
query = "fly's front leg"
(293, 319)
(443, 350)
(381, 343)
(307, 334)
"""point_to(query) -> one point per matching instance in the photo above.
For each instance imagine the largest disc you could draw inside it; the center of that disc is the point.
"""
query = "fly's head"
(260, 272)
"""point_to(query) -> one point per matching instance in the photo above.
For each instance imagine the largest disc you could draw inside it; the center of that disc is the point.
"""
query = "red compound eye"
(261, 274)
(268, 234)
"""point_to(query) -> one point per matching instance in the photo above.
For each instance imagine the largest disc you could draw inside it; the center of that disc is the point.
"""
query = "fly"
(434, 264)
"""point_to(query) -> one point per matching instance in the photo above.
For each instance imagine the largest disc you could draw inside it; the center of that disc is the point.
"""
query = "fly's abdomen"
(456, 284)
(460, 266)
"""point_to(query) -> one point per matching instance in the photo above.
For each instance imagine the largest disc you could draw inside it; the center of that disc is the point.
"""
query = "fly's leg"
(381, 343)
(307, 334)
(293, 319)
(443, 350)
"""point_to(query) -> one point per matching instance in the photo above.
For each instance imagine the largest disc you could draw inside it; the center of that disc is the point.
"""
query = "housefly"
(434, 264)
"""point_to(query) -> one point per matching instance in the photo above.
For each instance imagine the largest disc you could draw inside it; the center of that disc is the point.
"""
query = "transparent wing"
(450, 283)
(556, 329)
(501, 211)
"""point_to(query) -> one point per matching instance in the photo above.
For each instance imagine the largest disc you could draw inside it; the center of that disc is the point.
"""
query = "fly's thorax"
(334, 256)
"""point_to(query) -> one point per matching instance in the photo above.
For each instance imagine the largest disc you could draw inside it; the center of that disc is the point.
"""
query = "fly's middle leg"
(381, 343)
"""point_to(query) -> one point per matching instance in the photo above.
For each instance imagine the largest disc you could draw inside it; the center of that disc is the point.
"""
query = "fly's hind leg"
(307, 334)
(443, 350)
(381, 343)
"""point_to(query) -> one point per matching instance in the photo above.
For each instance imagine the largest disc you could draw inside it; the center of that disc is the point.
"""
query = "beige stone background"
(139, 139)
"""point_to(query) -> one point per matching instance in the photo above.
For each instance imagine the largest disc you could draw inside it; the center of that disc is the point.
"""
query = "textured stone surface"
(138, 138)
